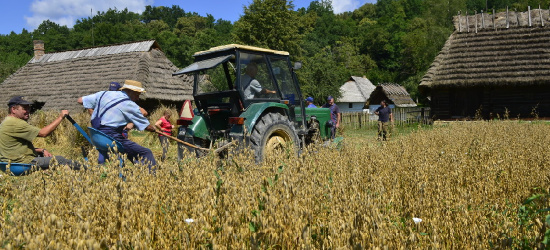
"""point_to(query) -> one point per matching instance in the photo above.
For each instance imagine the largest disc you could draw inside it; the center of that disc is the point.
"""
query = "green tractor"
(248, 96)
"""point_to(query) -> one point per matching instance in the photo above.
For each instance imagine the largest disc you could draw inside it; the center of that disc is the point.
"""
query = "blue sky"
(18, 14)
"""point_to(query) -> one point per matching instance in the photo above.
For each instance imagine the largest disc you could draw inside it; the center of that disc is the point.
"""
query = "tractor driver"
(250, 85)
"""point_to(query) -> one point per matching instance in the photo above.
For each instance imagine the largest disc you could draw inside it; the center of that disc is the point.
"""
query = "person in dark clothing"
(335, 114)
(384, 117)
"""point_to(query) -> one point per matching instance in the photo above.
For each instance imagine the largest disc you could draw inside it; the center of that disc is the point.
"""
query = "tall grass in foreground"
(466, 181)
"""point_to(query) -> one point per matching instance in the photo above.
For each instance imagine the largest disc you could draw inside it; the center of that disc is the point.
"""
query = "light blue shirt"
(251, 86)
(120, 114)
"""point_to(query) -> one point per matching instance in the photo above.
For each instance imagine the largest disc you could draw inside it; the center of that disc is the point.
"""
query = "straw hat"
(133, 85)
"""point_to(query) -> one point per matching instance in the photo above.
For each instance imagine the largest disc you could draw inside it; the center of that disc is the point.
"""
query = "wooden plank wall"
(491, 102)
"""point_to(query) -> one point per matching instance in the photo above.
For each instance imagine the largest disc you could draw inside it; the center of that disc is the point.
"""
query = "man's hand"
(129, 126)
(64, 112)
(151, 128)
(46, 153)
(43, 152)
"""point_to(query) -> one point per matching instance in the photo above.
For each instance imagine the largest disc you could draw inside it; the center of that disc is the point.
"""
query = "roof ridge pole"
(541, 19)
(529, 13)
(507, 20)
(475, 15)
(494, 26)
(482, 20)
(460, 24)
(467, 23)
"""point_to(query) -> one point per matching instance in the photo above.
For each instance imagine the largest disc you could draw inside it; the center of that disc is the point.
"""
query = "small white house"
(355, 93)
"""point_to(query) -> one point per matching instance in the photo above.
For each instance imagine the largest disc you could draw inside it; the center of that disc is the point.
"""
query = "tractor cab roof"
(241, 47)
(217, 55)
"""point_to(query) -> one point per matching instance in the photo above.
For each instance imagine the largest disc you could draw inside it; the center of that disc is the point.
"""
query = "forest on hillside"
(390, 41)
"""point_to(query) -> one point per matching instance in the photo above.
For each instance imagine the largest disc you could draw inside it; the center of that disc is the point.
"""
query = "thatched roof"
(58, 79)
(356, 89)
(393, 93)
(511, 50)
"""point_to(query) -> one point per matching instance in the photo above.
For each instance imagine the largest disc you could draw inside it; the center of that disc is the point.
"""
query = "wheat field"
(467, 182)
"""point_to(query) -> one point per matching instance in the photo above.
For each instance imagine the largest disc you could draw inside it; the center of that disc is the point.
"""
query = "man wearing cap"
(309, 102)
(16, 137)
(384, 117)
(334, 115)
(113, 110)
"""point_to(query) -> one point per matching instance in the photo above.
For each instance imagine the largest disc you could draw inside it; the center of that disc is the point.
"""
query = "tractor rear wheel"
(273, 134)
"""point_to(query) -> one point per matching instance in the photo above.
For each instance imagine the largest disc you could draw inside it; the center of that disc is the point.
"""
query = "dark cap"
(114, 86)
(329, 98)
(18, 100)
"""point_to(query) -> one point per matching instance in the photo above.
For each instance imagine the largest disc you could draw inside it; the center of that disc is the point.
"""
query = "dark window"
(350, 105)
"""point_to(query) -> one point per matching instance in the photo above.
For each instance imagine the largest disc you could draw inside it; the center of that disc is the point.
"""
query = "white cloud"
(340, 6)
(66, 12)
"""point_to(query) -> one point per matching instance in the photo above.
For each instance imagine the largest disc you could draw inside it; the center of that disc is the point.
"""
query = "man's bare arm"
(45, 131)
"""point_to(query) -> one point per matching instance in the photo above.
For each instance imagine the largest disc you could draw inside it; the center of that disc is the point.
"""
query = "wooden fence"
(402, 116)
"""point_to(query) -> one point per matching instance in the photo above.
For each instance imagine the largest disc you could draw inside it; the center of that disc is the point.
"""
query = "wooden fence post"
(475, 15)
(541, 19)
(507, 21)
(482, 20)
(467, 23)
(529, 14)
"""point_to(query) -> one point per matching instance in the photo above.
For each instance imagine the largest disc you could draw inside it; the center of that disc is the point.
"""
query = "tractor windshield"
(282, 75)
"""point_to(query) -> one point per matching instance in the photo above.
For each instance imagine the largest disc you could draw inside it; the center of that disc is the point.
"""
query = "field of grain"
(468, 183)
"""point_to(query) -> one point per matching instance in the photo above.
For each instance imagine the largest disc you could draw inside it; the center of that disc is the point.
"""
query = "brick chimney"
(38, 49)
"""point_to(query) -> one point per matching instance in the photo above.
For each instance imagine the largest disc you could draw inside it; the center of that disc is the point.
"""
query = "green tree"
(270, 24)
(53, 35)
(167, 15)
(320, 76)
(327, 28)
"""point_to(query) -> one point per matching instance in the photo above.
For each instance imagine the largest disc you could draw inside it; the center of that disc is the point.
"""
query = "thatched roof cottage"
(56, 80)
(394, 94)
(492, 64)
(397, 98)
(355, 93)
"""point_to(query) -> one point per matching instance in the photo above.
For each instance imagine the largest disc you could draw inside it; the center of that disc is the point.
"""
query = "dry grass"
(465, 181)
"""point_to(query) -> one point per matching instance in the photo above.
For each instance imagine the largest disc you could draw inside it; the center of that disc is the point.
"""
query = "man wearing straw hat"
(113, 110)
(16, 137)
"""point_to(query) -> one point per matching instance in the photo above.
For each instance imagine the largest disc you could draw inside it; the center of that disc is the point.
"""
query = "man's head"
(383, 103)
(133, 89)
(309, 99)
(19, 108)
(330, 100)
(251, 69)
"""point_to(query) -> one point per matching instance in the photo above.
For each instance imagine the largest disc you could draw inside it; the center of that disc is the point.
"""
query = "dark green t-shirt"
(16, 137)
